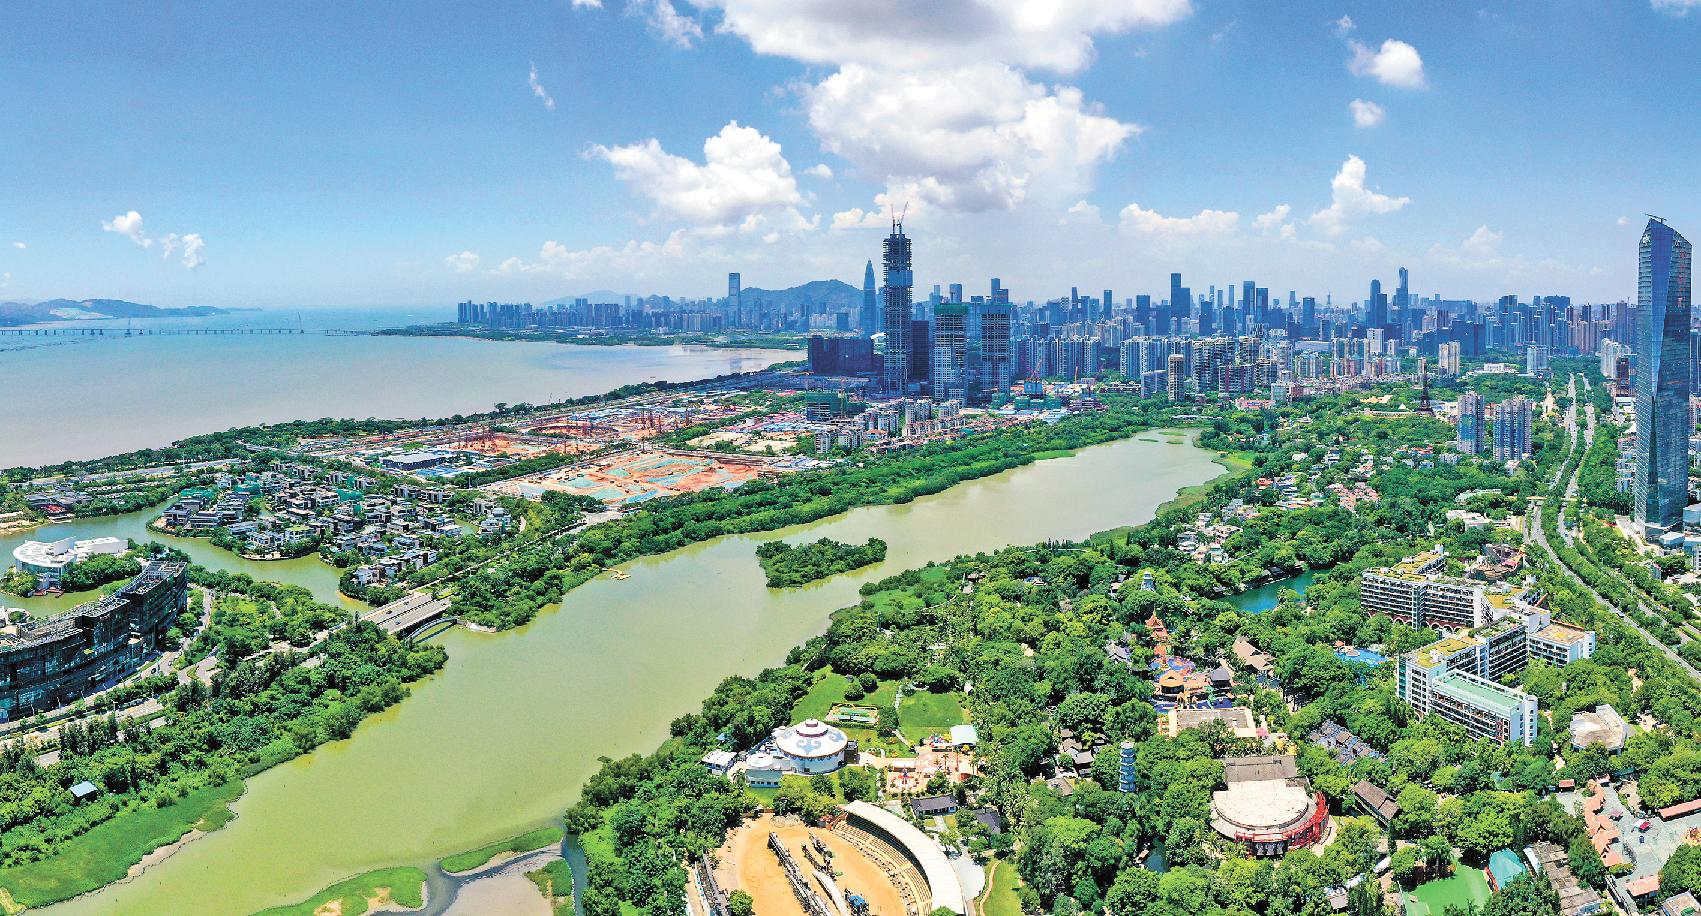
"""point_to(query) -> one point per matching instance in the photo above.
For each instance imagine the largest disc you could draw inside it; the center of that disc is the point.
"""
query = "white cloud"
(858, 218)
(587, 4)
(1369, 245)
(1276, 221)
(1344, 25)
(1056, 35)
(821, 170)
(1349, 198)
(1082, 211)
(538, 90)
(19, 245)
(191, 246)
(1365, 114)
(1624, 221)
(1676, 7)
(743, 173)
(463, 263)
(1394, 64)
(1150, 222)
(667, 22)
(6, 279)
(128, 225)
(979, 137)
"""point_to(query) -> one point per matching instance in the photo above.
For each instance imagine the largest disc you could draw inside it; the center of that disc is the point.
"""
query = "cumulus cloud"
(1676, 7)
(464, 263)
(1365, 114)
(978, 137)
(1345, 25)
(541, 93)
(1350, 198)
(743, 173)
(19, 245)
(1135, 218)
(1394, 64)
(587, 4)
(6, 279)
(821, 170)
(190, 248)
(128, 225)
(1057, 35)
(667, 22)
(1276, 221)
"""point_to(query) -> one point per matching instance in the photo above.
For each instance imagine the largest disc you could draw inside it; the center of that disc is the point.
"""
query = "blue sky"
(346, 154)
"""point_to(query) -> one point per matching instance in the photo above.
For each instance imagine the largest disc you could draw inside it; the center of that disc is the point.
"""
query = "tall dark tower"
(1662, 378)
(869, 320)
(900, 279)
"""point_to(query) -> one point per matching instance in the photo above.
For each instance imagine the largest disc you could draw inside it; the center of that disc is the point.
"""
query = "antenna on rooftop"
(1658, 219)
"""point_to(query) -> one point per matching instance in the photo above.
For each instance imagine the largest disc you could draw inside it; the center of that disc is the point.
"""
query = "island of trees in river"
(788, 565)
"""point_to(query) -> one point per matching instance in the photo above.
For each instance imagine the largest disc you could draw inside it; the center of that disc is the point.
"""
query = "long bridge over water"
(159, 332)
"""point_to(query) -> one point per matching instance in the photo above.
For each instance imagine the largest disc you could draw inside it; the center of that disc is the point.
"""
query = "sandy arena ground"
(746, 863)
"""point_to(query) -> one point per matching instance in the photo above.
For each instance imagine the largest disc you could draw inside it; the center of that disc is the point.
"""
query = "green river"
(504, 736)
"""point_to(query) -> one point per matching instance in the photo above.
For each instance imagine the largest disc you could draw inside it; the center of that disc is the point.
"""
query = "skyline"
(321, 156)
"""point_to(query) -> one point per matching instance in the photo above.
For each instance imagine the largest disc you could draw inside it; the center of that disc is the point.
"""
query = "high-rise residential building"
(1511, 419)
(870, 319)
(1536, 360)
(994, 369)
(899, 279)
(1448, 357)
(1177, 376)
(1662, 378)
(1473, 426)
(948, 366)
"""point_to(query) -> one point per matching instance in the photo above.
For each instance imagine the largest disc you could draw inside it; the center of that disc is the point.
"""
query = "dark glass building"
(1662, 379)
(900, 278)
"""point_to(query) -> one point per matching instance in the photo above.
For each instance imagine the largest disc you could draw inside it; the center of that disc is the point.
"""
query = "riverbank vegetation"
(1028, 626)
(511, 592)
(474, 859)
(789, 565)
(555, 882)
(255, 713)
(384, 889)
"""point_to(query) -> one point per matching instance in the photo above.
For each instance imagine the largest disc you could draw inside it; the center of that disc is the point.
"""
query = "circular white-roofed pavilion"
(812, 746)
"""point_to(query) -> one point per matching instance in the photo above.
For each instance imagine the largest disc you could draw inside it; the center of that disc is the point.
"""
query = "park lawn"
(923, 713)
(525, 842)
(402, 887)
(999, 898)
(1467, 886)
(105, 853)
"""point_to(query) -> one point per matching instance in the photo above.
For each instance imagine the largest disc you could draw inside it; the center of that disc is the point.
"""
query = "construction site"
(625, 479)
(791, 869)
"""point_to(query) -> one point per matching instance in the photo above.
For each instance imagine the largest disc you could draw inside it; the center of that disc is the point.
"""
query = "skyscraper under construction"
(900, 279)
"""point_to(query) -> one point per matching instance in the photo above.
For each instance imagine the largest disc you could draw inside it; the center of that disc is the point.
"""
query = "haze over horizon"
(328, 155)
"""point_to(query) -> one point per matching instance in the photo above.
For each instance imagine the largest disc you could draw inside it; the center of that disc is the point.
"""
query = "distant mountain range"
(836, 294)
(16, 313)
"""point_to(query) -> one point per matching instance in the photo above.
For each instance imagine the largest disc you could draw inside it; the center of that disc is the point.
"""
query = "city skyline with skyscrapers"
(1662, 378)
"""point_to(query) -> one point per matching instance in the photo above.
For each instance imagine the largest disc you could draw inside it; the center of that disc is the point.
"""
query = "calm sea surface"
(85, 397)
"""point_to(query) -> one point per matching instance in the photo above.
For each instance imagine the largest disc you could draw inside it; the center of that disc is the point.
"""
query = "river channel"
(501, 739)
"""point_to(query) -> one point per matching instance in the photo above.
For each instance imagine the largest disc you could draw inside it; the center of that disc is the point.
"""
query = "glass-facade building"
(1662, 379)
(895, 263)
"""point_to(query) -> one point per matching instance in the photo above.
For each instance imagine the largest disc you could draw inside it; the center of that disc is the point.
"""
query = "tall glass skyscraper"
(1662, 378)
(895, 262)
(869, 320)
